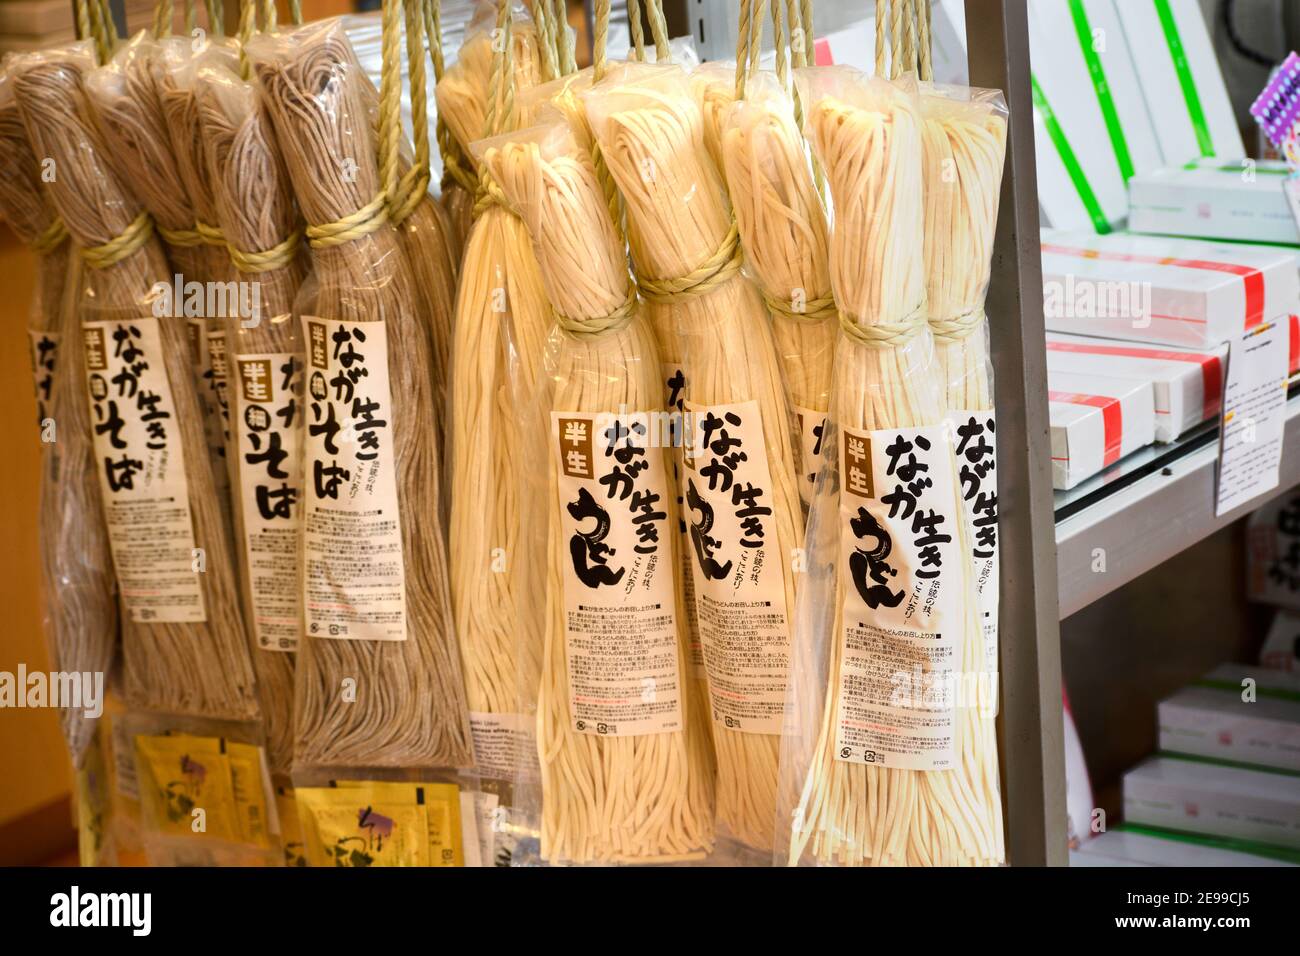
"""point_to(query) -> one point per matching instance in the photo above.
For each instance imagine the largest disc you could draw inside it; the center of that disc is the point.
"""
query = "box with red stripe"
(1096, 420)
(1240, 200)
(1162, 290)
(1187, 384)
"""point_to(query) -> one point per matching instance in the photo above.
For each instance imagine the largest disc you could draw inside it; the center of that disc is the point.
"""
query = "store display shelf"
(1147, 508)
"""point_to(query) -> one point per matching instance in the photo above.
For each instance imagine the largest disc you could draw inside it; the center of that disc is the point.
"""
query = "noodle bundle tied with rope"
(885, 779)
(363, 702)
(183, 638)
(685, 248)
(76, 566)
(256, 212)
(499, 331)
(638, 787)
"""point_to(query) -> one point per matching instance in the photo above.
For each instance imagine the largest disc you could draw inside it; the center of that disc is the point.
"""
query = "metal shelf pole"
(1032, 735)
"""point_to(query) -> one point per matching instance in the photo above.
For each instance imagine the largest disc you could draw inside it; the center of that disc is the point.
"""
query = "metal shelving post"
(1032, 735)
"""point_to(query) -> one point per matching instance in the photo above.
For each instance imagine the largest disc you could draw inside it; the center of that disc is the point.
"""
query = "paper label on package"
(621, 626)
(218, 373)
(505, 746)
(354, 573)
(739, 586)
(1254, 416)
(45, 357)
(141, 464)
(901, 586)
(975, 446)
(812, 425)
(675, 403)
(267, 432)
(201, 358)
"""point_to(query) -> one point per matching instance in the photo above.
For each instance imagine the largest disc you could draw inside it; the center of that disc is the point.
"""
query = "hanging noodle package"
(625, 775)
(264, 357)
(78, 589)
(889, 760)
(378, 675)
(963, 142)
(184, 643)
(741, 502)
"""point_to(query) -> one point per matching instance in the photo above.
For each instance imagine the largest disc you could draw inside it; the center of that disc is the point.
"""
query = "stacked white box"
(1187, 383)
(1128, 848)
(1195, 796)
(1219, 718)
(1184, 292)
(1096, 420)
(1239, 200)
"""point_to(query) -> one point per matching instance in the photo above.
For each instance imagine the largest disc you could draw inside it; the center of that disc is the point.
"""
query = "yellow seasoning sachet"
(186, 787)
(291, 838)
(442, 812)
(248, 775)
(362, 826)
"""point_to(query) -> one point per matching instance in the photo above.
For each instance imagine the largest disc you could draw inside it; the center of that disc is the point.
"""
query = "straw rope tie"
(814, 310)
(183, 238)
(958, 328)
(49, 240)
(278, 256)
(118, 248)
(701, 280)
(363, 222)
(604, 323)
(885, 335)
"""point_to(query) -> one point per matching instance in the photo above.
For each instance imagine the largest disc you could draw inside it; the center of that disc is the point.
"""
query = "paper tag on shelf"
(1254, 413)
(1291, 189)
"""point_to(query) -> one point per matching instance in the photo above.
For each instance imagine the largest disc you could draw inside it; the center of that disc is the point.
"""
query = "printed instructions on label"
(201, 358)
(354, 574)
(902, 615)
(269, 391)
(976, 452)
(674, 386)
(739, 587)
(1254, 415)
(141, 464)
(504, 745)
(812, 425)
(620, 614)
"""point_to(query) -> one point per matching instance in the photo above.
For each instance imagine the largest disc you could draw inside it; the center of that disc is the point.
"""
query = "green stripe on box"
(1105, 100)
(1266, 850)
(1230, 764)
(1185, 79)
(1068, 158)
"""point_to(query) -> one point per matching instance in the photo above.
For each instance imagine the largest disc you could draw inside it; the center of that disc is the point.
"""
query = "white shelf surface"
(1148, 508)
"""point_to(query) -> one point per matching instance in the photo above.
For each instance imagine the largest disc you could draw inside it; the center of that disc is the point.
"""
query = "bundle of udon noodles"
(76, 566)
(183, 639)
(963, 141)
(499, 329)
(888, 759)
(150, 149)
(378, 677)
(783, 231)
(255, 210)
(741, 494)
(623, 750)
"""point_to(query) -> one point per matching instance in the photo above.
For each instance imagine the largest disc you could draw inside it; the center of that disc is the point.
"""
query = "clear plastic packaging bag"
(378, 675)
(887, 760)
(625, 772)
(184, 643)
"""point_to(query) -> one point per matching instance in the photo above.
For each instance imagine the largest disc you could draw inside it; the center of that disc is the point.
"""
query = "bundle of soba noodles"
(625, 773)
(183, 637)
(739, 483)
(378, 677)
(76, 565)
(255, 210)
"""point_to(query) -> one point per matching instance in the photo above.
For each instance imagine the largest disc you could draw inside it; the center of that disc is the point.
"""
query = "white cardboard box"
(1199, 797)
(1126, 848)
(1191, 111)
(1061, 71)
(1188, 383)
(1211, 719)
(1185, 292)
(1240, 200)
(1096, 420)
